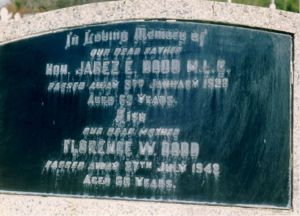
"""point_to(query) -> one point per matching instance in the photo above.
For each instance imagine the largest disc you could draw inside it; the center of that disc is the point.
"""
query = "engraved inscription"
(156, 110)
(132, 79)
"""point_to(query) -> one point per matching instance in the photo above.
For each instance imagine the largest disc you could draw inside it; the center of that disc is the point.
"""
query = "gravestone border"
(185, 10)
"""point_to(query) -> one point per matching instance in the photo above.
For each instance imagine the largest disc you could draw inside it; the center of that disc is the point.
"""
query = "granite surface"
(241, 15)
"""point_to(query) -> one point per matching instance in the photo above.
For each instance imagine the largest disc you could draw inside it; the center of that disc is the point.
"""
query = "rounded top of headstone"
(4, 14)
(17, 16)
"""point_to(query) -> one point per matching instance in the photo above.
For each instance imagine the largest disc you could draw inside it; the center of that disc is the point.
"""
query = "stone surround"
(118, 11)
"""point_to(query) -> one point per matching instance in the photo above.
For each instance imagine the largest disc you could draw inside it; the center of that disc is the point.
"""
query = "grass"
(34, 6)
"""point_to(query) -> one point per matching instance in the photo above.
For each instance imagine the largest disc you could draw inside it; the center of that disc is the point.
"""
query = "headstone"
(5, 15)
(17, 16)
(176, 111)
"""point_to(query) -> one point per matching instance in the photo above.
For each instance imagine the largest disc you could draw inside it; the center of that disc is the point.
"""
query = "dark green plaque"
(182, 111)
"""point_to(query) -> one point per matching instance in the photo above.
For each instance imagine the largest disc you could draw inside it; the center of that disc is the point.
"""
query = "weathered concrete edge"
(154, 9)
